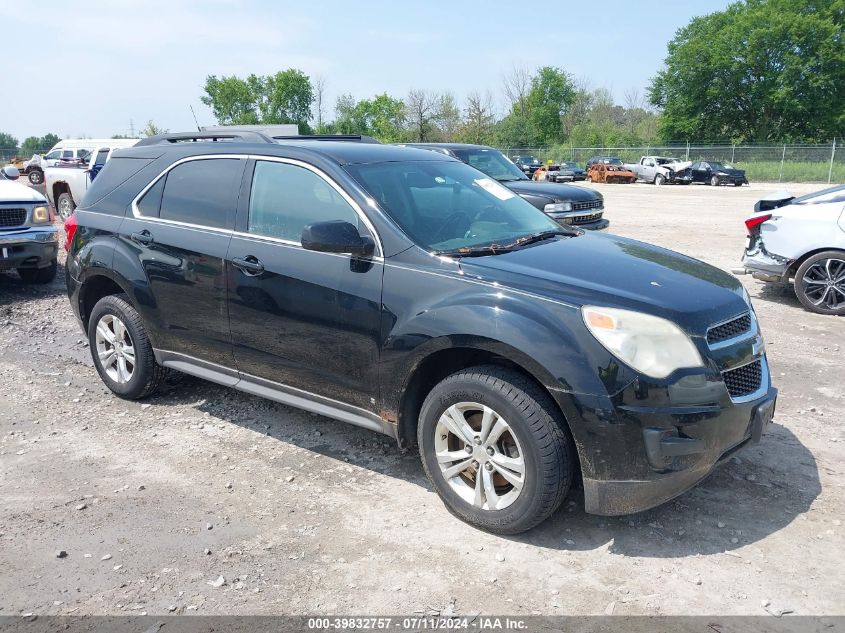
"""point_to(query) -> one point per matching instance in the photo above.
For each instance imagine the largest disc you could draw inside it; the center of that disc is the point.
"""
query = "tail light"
(70, 230)
(754, 223)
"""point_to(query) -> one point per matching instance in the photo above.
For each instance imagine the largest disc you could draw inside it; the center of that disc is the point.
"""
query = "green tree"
(151, 129)
(761, 70)
(285, 97)
(32, 145)
(7, 141)
(383, 117)
(552, 93)
(232, 99)
(479, 119)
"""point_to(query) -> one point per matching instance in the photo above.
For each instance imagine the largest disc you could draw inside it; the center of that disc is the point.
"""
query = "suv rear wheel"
(492, 445)
(121, 349)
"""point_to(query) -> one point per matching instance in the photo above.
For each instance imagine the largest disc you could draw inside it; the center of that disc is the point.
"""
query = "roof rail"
(194, 137)
(354, 138)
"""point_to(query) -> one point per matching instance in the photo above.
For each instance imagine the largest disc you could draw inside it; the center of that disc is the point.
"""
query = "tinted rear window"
(114, 173)
(203, 192)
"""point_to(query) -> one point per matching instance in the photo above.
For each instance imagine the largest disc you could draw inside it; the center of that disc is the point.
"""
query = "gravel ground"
(205, 500)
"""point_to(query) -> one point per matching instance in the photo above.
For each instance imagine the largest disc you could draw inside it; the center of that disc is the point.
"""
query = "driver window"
(286, 198)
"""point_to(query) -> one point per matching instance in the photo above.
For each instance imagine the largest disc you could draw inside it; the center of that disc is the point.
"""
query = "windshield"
(569, 166)
(610, 161)
(720, 165)
(665, 161)
(832, 194)
(446, 206)
(492, 162)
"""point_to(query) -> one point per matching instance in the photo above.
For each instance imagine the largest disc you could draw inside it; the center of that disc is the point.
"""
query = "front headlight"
(651, 345)
(40, 215)
(558, 207)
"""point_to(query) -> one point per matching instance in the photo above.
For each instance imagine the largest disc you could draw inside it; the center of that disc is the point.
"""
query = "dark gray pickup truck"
(29, 243)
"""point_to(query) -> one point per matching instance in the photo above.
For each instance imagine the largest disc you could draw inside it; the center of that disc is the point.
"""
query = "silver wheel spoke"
(450, 457)
(823, 297)
(813, 282)
(496, 432)
(104, 331)
(512, 477)
(129, 354)
(478, 498)
(514, 464)
(454, 420)
(487, 423)
(457, 469)
(489, 489)
(107, 357)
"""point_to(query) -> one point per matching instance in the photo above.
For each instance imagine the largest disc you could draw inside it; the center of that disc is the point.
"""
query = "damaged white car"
(801, 239)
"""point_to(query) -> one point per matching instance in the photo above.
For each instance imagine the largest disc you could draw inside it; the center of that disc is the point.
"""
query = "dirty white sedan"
(801, 239)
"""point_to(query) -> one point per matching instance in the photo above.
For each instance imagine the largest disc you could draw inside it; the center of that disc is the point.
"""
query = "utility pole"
(832, 154)
(131, 129)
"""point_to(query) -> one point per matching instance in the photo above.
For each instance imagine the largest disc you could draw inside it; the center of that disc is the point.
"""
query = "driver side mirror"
(336, 236)
(11, 172)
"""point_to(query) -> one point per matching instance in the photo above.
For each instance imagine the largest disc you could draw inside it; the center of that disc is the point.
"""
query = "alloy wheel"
(824, 283)
(115, 349)
(65, 208)
(479, 456)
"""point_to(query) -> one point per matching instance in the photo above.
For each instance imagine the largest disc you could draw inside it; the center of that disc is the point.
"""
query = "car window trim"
(136, 212)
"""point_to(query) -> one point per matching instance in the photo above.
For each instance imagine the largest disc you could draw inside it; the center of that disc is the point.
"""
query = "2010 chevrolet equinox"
(403, 291)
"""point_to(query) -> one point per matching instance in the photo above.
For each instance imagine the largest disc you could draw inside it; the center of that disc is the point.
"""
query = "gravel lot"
(204, 500)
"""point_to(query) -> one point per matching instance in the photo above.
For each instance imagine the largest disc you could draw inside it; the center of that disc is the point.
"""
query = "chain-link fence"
(767, 163)
(9, 153)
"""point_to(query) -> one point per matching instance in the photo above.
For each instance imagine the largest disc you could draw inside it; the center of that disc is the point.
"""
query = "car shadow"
(755, 494)
(13, 288)
(782, 293)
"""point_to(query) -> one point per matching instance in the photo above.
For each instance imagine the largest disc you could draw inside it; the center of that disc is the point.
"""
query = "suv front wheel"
(121, 349)
(492, 444)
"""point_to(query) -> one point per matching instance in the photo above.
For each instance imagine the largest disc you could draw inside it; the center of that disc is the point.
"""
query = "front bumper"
(707, 443)
(732, 180)
(34, 247)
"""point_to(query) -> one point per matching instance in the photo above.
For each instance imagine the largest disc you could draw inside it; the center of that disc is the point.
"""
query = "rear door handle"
(144, 237)
(250, 265)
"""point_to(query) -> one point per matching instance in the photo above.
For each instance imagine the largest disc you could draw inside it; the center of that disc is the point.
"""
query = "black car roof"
(341, 152)
(451, 146)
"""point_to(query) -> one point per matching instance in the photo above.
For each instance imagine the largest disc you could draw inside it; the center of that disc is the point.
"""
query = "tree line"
(759, 71)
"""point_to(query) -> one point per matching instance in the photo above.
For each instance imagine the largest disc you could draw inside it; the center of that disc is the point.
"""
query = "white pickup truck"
(661, 170)
(66, 185)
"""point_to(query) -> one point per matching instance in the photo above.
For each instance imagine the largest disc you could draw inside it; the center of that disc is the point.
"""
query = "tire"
(811, 285)
(39, 275)
(146, 375)
(65, 205)
(714, 180)
(36, 177)
(737, 184)
(659, 179)
(533, 439)
(588, 179)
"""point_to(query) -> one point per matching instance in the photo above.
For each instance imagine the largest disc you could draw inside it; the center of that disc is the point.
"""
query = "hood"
(618, 272)
(11, 191)
(679, 166)
(554, 192)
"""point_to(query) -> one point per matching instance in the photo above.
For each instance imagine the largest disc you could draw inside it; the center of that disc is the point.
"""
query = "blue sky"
(88, 68)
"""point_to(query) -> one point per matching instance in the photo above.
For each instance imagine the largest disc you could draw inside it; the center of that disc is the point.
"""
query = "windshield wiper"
(538, 237)
(476, 251)
(510, 179)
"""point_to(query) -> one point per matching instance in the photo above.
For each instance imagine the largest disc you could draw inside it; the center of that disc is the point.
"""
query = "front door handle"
(144, 237)
(250, 265)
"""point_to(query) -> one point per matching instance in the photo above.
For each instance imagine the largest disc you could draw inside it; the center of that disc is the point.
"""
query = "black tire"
(65, 205)
(659, 179)
(147, 375)
(737, 184)
(36, 177)
(807, 293)
(547, 450)
(714, 180)
(39, 275)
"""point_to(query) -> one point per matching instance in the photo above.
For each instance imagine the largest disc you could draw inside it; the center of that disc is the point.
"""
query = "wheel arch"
(95, 287)
(796, 263)
(435, 365)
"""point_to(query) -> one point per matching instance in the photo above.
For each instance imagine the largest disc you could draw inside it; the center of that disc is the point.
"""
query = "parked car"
(29, 242)
(66, 184)
(559, 172)
(715, 173)
(409, 293)
(661, 170)
(527, 164)
(610, 173)
(607, 160)
(33, 168)
(568, 205)
(801, 239)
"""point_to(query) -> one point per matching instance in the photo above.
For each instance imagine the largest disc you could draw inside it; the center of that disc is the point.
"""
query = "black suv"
(568, 205)
(406, 292)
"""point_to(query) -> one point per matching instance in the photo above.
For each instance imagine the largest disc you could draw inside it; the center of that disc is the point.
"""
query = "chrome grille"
(744, 380)
(583, 206)
(12, 217)
(583, 219)
(732, 328)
